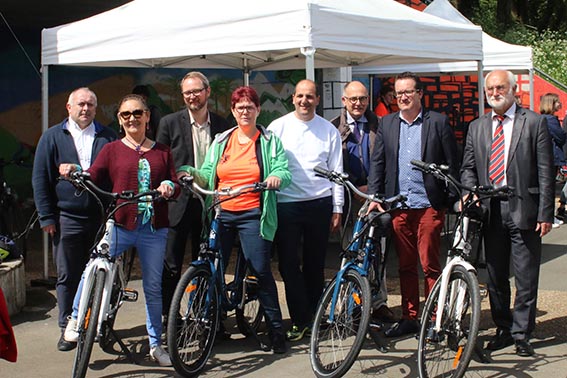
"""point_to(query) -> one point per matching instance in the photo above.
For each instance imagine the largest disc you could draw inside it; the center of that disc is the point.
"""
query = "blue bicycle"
(202, 294)
(343, 314)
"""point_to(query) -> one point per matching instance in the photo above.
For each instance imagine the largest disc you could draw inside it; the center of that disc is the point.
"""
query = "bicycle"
(451, 316)
(105, 277)
(342, 317)
(13, 228)
(202, 293)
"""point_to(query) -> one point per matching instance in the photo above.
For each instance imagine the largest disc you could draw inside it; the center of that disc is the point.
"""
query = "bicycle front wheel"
(193, 321)
(447, 353)
(336, 340)
(87, 326)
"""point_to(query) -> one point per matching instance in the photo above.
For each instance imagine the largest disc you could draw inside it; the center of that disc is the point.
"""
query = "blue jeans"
(150, 247)
(304, 280)
(257, 252)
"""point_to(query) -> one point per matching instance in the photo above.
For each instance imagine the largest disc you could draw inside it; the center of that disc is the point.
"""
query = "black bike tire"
(106, 339)
(320, 328)
(179, 325)
(427, 321)
(87, 332)
(248, 322)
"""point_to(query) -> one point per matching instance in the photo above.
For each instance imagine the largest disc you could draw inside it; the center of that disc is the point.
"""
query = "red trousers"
(417, 237)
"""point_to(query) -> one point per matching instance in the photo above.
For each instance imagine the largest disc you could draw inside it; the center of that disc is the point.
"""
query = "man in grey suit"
(517, 225)
(189, 133)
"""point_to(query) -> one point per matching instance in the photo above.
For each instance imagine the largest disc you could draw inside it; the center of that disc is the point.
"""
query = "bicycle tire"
(335, 347)
(88, 326)
(448, 353)
(106, 338)
(193, 321)
(249, 318)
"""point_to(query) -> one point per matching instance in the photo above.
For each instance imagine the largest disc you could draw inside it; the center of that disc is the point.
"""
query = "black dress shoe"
(65, 346)
(403, 327)
(524, 348)
(501, 340)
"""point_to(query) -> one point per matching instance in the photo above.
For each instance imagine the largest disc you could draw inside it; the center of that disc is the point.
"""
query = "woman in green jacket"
(243, 155)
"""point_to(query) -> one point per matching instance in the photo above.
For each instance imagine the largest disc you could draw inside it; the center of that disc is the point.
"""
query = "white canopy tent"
(257, 35)
(496, 53)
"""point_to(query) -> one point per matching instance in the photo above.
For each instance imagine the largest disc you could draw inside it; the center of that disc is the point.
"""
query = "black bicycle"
(202, 294)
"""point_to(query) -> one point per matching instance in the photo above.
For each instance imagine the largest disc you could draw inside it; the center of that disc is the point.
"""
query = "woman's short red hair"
(244, 93)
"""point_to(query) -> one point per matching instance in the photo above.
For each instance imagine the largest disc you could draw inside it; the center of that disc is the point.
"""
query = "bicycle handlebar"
(441, 172)
(342, 179)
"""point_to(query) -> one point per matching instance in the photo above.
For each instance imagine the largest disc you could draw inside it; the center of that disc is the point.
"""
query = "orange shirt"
(238, 166)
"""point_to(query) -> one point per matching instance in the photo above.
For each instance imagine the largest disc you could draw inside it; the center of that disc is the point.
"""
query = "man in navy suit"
(189, 133)
(413, 133)
(517, 225)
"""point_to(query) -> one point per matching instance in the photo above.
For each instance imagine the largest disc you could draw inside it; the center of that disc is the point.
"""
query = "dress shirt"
(83, 139)
(358, 147)
(201, 139)
(508, 126)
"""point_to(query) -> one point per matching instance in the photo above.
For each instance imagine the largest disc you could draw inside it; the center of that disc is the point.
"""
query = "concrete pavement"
(37, 333)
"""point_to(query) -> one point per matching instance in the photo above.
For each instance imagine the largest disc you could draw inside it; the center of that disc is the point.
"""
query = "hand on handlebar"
(66, 169)
(273, 182)
(165, 190)
(375, 206)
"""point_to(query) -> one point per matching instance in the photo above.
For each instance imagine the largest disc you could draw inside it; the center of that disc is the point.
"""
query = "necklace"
(137, 147)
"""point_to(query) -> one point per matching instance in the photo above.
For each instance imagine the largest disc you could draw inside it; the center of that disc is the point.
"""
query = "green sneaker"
(296, 334)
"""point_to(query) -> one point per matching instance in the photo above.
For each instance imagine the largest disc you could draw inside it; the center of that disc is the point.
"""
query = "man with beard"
(189, 133)
(511, 146)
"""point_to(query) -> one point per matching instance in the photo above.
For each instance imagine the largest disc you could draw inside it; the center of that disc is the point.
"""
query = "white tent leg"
(44, 127)
(532, 93)
(309, 53)
(480, 89)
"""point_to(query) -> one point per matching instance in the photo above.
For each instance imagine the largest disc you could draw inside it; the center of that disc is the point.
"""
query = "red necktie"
(496, 165)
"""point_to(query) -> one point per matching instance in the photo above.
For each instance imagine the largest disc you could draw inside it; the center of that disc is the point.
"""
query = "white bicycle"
(451, 316)
(105, 278)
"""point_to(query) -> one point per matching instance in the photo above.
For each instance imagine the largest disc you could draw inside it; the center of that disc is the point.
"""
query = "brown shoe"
(384, 314)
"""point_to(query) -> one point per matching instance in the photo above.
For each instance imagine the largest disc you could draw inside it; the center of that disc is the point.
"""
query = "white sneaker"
(158, 354)
(71, 334)
(557, 221)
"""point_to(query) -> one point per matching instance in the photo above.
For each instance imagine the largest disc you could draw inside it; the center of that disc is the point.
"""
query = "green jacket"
(272, 161)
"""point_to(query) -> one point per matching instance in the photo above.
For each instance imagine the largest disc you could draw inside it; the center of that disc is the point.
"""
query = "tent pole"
(44, 126)
(480, 89)
(309, 53)
(246, 72)
(532, 94)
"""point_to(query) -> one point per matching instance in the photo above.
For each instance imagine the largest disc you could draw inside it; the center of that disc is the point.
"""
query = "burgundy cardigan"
(118, 164)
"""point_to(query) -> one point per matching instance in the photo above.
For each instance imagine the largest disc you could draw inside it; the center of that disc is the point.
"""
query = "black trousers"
(506, 245)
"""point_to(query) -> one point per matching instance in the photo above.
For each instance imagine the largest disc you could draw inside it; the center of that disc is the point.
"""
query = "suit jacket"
(529, 168)
(438, 145)
(175, 131)
(341, 124)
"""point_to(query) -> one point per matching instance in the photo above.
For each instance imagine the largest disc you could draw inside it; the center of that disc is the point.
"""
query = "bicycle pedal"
(130, 295)
(251, 281)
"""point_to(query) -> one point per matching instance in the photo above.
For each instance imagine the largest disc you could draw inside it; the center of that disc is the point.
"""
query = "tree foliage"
(541, 24)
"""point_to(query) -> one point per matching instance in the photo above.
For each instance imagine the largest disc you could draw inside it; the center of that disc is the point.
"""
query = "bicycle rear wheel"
(249, 318)
(193, 321)
(87, 326)
(335, 344)
(447, 353)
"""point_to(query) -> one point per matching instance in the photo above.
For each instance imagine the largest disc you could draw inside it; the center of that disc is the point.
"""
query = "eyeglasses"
(138, 113)
(408, 93)
(194, 92)
(242, 109)
(354, 99)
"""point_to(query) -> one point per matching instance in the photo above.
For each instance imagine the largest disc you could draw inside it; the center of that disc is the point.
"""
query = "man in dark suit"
(357, 125)
(189, 133)
(517, 225)
(413, 133)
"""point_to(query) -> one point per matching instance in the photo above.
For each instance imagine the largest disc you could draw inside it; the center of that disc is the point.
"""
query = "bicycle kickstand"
(123, 346)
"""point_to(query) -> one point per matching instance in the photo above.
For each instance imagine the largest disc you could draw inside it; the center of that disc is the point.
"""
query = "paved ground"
(36, 333)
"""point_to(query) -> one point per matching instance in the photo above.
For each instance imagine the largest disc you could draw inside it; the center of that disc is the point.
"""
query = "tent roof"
(259, 34)
(497, 54)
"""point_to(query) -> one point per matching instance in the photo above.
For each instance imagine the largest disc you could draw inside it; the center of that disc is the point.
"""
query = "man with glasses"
(413, 133)
(310, 207)
(189, 133)
(357, 126)
(523, 161)
(70, 219)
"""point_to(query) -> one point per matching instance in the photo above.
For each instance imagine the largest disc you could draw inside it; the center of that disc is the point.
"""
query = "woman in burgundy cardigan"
(139, 164)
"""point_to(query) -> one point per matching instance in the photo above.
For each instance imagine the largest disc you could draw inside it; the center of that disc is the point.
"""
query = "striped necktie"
(496, 165)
